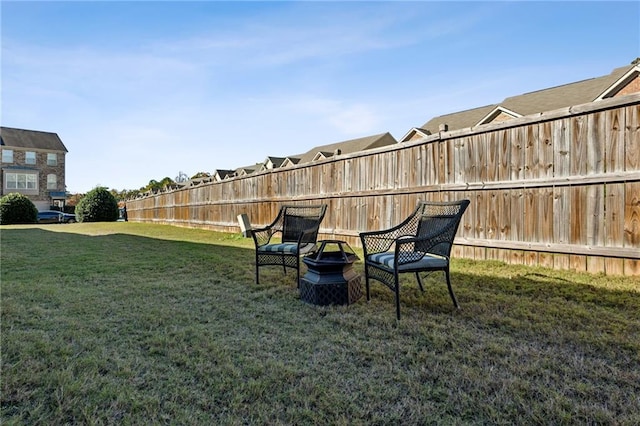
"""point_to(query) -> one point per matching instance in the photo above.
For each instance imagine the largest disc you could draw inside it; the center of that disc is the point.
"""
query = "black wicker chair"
(298, 227)
(421, 243)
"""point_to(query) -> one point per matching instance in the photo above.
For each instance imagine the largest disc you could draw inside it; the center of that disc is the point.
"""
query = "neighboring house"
(221, 174)
(33, 164)
(622, 81)
(346, 147)
(246, 170)
(314, 154)
(271, 163)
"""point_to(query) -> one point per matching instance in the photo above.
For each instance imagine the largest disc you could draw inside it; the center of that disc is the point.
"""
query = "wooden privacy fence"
(559, 189)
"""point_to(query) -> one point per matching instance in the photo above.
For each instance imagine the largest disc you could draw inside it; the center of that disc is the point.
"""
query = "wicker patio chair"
(421, 243)
(297, 226)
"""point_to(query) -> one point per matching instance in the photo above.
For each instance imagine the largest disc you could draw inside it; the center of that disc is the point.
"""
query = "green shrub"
(16, 208)
(99, 205)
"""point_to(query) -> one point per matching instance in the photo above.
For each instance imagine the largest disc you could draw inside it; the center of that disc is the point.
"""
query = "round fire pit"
(330, 278)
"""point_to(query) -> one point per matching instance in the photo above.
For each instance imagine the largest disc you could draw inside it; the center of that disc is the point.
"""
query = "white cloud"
(225, 89)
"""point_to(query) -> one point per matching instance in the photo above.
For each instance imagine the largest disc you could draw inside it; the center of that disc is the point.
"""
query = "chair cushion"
(286, 248)
(427, 262)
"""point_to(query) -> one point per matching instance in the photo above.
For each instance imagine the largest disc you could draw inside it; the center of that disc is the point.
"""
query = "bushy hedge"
(16, 208)
(99, 205)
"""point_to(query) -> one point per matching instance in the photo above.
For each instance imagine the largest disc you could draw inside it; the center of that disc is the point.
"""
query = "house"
(622, 81)
(271, 163)
(33, 164)
(318, 153)
(221, 174)
(246, 170)
(314, 154)
(346, 147)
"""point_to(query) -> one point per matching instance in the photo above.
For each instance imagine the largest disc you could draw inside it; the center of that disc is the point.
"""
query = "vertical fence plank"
(482, 209)
(532, 153)
(632, 215)
(493, 215)
(545, 149)
(578, 146)
(632, 139)
(516, 154)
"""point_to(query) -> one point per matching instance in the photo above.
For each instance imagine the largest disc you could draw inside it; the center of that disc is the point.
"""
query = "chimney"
(443, 127)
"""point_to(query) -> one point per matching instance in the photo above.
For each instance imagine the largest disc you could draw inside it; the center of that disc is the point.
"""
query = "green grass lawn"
(125, 323)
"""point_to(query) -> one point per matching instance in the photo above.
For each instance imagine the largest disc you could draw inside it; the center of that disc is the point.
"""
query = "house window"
(21, 181)
(30, 157)
(7, 156)
(52, 159)
(52, 181)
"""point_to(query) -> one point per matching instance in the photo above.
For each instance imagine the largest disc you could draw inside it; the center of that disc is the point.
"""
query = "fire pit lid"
(333, 251)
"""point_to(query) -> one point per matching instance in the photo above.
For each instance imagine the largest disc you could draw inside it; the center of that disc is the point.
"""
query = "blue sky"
(142, 90)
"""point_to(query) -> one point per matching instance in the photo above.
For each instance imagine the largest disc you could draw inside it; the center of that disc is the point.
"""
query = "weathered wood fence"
(559, 189)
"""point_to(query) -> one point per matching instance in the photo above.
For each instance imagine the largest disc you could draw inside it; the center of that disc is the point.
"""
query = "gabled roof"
(346, 147)
(631, 75)
(221, 174)
(291, 161)
(321, 155)
(550, 99)
(247, 170)
(30, 139)
(497, 112)
(272, 163)
(415, 133)
(458, 120)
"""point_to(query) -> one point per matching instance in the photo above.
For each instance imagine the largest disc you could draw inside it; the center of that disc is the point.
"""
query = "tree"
(155, 186)
(201, 175)
(16, 208)
(99, 205)
(167, 181)
(182, 177)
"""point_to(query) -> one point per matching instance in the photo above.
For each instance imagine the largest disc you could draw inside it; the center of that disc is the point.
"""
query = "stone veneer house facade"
(33, 164)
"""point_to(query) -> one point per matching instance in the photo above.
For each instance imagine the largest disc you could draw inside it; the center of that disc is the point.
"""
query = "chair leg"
(366, 282)
(453, 296)
(257, 271)
(397, 289)
(419, 281)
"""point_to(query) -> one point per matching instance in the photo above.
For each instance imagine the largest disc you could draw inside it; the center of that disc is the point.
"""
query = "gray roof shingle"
(30, 139)
(544, 100)
(347, 147)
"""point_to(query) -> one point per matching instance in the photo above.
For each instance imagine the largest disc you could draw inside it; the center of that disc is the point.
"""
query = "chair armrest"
(382, 240)
(412, 249)
(376, 242)
(262, 236)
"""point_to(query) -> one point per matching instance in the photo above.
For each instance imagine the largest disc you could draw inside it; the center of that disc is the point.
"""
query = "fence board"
(493, 215)
(545, 149)
(595, 145)
(632, 215)
(614, 139)
(516, 154)
(632, 139)
(561, 148)
(578, 149)
(482, 209)
(596, 265)
(577, 233)
(532, 153)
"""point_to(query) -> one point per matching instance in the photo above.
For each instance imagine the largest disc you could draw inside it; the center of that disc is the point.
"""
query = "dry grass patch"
(130, 323)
